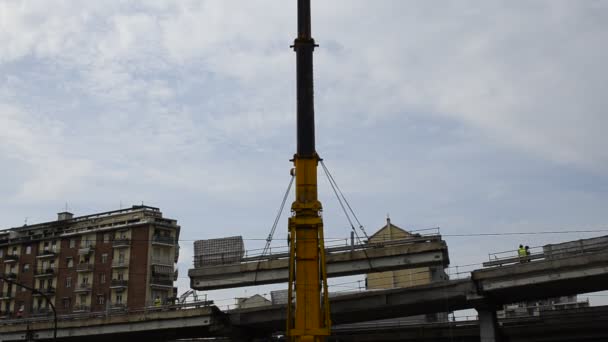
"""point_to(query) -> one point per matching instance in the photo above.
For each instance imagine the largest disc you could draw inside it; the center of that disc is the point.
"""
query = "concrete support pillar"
(488, 325)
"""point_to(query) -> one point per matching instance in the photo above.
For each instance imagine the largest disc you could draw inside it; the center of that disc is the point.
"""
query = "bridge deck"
(360, 259)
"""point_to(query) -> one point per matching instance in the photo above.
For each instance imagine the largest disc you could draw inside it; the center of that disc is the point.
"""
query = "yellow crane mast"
(308, 318)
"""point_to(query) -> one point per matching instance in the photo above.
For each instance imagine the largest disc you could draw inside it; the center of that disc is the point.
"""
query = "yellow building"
(404, 278)
(400, 278)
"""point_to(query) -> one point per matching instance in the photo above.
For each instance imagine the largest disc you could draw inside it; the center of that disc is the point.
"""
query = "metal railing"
(123, 263)
(159, 280)
(11, 257)
(169, 240)
(552, 251)
(86, 249)
(121, 242)
(46, 254)
(84, 267)
(82, 307)
(112, 309)
(83, 287)
(47, 271)
(119, 283)
(332, 246)
(46, 290)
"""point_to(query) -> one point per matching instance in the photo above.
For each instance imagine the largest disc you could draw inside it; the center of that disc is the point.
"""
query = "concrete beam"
(542, 279)
(343, 263)
(202, 318)
(369, 305)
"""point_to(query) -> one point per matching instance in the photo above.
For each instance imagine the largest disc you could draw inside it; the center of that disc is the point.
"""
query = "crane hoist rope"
(341, 198)
(337, 190)
(274, 226)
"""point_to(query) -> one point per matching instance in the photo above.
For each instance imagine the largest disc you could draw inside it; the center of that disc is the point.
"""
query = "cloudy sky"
(475, 116)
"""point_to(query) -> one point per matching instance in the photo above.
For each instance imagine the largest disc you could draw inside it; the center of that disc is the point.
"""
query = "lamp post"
(35, 291)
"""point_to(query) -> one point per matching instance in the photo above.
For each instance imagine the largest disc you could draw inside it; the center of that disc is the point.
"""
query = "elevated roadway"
(153, 325)
(583, 324)
(486, 290)
(341, 261)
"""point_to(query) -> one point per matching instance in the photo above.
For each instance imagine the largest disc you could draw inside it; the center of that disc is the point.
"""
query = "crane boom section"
(308, 318)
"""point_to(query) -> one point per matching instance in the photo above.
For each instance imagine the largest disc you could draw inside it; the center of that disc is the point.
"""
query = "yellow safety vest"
(521, 252)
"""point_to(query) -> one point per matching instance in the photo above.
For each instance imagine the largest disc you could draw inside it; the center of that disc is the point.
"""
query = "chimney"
(64, 216)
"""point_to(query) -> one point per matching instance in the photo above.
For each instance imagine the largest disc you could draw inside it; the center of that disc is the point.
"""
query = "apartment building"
(116, 260)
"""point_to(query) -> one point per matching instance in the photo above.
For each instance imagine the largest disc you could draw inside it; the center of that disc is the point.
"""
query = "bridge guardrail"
(550, 251)
(109, 312)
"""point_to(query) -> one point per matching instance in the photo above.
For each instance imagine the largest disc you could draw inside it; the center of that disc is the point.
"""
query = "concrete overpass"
(148, 325)
(583, 324)
(341, 261)
(485, 291)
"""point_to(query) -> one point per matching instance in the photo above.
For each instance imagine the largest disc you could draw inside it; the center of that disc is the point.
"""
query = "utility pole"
(308, 319)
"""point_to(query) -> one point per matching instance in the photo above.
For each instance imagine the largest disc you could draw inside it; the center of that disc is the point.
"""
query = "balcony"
(81, 308)
(121, 243)
(11, 275)
(86, 250)
(118, 306)
(162, 261)
(84, 267)
(10, 258)
(83, 288)
(46, 254)
(37, 312)
(48, 290)
(6, 295)
(163, 240)
(120, 264)
(161, 281)
(45, 272)
(116, 283)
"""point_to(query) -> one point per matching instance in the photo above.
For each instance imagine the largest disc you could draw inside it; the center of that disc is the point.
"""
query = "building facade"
(404, 278)
(400, 278)
(116, 260)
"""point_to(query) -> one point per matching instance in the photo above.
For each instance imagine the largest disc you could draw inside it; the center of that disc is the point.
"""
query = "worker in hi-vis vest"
(521, 252)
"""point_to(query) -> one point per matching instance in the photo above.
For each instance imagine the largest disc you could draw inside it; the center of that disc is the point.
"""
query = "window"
(72, 243)
(69, 262)
(41, 283)
(14, 251)
(101, 299)
(106, 237)
(67, 303)
(119, 298)
(26, 267)
(85, 280)
(83, 299)
(1, 253)
(104, 258)
(68, 282)
(28, 249)
(102, 278)
(121, 257)
(54, 246)
(46, 246)
(120, 275)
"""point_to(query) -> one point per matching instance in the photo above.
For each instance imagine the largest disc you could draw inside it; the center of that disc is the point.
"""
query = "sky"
(473, 116)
